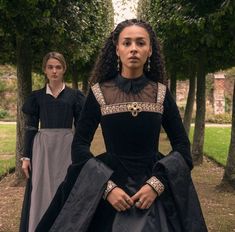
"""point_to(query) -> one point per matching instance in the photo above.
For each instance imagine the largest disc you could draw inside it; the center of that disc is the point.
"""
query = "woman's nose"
(133, 47)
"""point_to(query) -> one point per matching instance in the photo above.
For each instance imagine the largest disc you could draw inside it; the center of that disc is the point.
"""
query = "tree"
(180, 61)
(18, 21)
(229, 172)
(85, 24)
(36, 27)
(190, 102)
(100, 19)
(199, 30)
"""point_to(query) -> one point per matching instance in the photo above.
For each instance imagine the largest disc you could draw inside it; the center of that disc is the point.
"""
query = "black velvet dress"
(131, 113)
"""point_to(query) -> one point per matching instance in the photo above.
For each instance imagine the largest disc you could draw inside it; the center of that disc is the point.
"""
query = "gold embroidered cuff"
(156, 184)
(110, 186)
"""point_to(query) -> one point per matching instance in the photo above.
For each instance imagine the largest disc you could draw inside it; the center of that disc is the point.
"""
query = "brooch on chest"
(134, 108)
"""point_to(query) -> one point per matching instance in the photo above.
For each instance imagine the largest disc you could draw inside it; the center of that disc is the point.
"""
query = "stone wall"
(219, 93)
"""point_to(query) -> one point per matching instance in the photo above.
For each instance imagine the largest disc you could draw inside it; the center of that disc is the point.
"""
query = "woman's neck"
(132, 74)
(56, 88)
(55, 85)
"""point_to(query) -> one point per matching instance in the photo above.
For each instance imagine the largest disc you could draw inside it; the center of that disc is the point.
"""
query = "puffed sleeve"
(85, 130)
(31, 111)
(173, 126)
(79, 102)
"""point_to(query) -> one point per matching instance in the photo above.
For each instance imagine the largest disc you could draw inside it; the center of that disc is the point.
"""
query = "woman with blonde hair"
(47, 151)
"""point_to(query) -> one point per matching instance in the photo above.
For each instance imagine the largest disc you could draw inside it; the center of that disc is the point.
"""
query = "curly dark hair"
(106, 65)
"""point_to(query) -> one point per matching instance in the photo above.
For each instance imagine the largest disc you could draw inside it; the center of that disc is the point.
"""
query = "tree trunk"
(190, 103)
(74, 76)
(85, 84)
(24, 88)
(199, 130)
(173, 85)
(229, 173)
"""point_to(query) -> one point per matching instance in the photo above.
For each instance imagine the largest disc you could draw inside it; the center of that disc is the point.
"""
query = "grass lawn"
(216, 143)
(7, 139)
(7, 147)
(6, 165)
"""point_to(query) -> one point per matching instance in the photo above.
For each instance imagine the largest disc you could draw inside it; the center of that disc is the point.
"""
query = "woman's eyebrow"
(135, 38)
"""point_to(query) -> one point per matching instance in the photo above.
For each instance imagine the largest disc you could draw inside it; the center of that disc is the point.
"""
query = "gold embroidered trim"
(98, 94)
(134, 107)
(109, 187)
(161, 93)
(156, 184)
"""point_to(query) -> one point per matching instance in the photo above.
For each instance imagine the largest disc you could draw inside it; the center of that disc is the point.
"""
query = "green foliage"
(85, 24)
(219, 118)
(2, 86)
(189, 29)
(228, 104)
(230, 72)
(23, 16)
(38, 81)
(74, 28)
(3, 113)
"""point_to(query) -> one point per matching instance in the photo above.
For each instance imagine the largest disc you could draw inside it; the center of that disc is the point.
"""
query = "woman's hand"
(26, 166)
(119, 199)
(145, 197)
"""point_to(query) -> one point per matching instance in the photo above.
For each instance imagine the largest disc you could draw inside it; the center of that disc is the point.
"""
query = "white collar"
(48, 90)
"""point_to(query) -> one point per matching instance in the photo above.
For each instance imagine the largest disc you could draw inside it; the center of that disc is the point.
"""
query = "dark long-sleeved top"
(131, 113)
(43, 109)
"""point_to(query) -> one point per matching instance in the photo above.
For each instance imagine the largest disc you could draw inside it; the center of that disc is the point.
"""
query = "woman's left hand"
(145, 197)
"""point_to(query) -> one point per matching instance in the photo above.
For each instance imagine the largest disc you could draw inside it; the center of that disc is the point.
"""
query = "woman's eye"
(141, 43)
(126, 43)
(58, 67)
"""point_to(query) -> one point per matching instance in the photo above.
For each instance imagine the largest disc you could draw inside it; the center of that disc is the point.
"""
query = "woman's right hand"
(119, 199)
(26, 166)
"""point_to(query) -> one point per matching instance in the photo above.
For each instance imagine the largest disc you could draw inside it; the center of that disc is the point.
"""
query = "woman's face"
(54, 70)
(133, 48)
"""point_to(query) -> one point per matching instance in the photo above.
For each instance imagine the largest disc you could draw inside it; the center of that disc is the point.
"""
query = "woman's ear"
(117, 50)
(150, 51)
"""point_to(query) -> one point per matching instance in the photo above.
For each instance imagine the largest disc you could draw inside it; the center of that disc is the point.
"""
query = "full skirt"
(51, 158)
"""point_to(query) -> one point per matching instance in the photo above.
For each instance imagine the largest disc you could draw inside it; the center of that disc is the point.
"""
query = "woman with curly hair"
(130, 187)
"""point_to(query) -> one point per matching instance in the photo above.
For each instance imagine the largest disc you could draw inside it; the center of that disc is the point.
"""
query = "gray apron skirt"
(51, 158)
